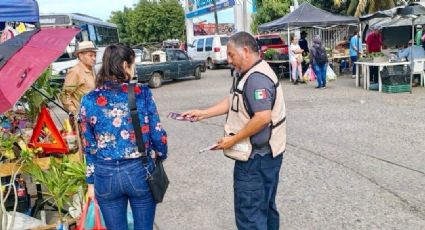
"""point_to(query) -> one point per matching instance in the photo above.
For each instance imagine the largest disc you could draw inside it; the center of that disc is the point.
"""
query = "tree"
(150, 22)
(269, 10)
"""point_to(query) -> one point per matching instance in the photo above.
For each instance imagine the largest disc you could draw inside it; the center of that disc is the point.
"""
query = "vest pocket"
(241, 150)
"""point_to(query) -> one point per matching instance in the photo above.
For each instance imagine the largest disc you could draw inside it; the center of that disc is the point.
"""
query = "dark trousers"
(374, 71)
(353, 59)
(255, 185)
(320, 71)
(117, 182)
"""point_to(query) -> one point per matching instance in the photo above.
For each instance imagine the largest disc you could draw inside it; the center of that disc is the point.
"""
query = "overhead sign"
(197, 8)
(209, 29)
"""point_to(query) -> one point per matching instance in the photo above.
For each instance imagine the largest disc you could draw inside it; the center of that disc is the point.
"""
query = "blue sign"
(200, 7)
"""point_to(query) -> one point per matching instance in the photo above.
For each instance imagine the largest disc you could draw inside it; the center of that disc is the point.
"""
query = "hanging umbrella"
(23, 68)
(12, 46)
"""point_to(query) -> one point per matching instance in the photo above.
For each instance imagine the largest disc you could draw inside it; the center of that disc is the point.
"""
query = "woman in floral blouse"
(115, 173)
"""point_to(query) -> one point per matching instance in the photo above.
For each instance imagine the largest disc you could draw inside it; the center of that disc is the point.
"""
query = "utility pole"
(215, 16)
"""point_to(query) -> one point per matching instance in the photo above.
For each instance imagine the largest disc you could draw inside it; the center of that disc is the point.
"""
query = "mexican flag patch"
(260, 94)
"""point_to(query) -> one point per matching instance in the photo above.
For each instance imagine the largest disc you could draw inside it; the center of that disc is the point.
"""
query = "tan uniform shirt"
(78, 82)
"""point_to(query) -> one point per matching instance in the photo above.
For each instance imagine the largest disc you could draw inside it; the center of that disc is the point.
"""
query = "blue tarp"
(19, 11)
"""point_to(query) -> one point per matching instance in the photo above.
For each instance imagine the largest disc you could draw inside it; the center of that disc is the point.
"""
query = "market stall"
(398, 24)
(28, 134)
(308, 16)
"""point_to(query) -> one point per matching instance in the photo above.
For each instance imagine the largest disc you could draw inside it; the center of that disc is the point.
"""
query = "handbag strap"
(136, 123)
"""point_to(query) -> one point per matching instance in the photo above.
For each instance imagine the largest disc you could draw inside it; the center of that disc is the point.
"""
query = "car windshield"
(224, 40)
(269, 41)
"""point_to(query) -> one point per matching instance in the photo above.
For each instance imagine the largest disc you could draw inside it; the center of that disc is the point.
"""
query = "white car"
(210, 48)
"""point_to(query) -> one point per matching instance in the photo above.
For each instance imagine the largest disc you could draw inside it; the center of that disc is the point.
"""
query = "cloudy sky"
(102, 8)
(97, 8)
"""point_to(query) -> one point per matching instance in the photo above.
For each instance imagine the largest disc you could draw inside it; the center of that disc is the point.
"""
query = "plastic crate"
(395, 75)
(396, 88)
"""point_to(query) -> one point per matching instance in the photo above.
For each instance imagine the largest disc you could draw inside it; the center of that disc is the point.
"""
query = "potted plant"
(271, 54)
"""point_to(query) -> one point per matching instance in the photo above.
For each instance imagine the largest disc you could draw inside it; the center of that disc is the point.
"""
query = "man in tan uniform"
(80, 79)
(254, 134)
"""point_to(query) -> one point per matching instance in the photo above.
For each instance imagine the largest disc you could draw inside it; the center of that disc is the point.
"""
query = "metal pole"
(48, 98)
(215, 16)
(289, 50)
(412, 62)
(244, 15)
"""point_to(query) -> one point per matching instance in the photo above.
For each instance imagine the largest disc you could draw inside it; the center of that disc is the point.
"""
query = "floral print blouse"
(106, 128)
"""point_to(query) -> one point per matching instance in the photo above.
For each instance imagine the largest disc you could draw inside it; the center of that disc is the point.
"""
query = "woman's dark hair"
(112, 68)
(292, 38)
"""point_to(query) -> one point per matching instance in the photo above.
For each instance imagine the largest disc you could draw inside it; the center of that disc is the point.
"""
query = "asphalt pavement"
(355, 159)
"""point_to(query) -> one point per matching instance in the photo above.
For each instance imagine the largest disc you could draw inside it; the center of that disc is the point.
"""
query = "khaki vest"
(238, 117)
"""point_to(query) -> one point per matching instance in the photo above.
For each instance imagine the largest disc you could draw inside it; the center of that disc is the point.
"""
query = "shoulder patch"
(260, 94)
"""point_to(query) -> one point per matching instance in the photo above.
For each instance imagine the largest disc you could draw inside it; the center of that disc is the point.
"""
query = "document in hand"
(211, 147)
(179, 117)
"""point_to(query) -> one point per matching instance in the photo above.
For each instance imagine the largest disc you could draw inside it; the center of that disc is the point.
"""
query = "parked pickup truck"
(167, 65)
(271, 41)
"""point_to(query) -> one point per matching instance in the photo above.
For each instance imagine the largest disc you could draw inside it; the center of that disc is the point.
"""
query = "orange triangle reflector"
(45, 130)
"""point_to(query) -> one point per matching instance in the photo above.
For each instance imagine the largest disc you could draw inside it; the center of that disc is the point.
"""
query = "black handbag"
(158, 180)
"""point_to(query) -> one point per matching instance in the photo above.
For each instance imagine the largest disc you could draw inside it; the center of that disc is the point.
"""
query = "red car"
(273, 41)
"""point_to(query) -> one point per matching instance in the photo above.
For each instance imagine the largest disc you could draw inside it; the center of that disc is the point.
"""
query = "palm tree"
(359, 7)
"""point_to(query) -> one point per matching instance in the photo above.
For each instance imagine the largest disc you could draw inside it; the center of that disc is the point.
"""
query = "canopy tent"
(307, 15)
(19, 10)
(409, 15)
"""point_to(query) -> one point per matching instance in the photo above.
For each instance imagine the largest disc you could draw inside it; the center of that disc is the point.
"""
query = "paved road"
(355, 158)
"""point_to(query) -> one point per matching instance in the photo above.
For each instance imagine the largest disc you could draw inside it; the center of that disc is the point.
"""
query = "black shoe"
(295, 82)
(318, 87)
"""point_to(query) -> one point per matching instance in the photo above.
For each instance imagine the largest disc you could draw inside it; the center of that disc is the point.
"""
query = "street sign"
(197, 8)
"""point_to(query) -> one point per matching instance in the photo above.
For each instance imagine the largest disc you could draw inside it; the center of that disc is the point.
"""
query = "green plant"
(62, 180)
(268, 55)
(34, 100)
(376, 54)
(7, 141)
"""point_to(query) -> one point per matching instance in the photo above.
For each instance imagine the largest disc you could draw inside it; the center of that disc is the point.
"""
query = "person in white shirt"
(296, 58)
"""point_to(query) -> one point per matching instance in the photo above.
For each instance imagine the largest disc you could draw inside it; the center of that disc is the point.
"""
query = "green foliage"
(268, 55)
(6, 145)
(34, 99)
(150, 21)
(62, 180)
(269, 10)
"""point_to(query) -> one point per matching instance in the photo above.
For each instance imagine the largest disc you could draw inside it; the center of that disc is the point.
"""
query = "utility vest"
(238, 117)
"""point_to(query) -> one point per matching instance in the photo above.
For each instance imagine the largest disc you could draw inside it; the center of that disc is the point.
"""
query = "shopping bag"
(306, 76)
(330, 74)
(309, 75)
(312, 75)
(91, 218)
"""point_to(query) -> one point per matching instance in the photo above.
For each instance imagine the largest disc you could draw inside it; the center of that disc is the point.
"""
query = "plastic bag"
(23, 221)
(330, 74)
(309, 75)
(130, 219)
(91, 218)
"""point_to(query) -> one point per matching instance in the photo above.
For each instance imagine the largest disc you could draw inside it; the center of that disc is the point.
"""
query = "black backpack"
(321, 56)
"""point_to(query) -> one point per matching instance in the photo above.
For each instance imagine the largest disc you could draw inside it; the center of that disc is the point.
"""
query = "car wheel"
(156, 80)
(198, 73)
(210, 64)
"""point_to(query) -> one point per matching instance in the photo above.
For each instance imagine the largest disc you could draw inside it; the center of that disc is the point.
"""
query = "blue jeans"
(353, 59)
(255, 185)
(320, 71)
(116, 182)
